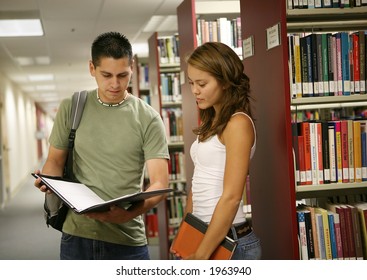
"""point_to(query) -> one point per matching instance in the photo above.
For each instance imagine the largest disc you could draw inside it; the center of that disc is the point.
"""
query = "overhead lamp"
(20, 24)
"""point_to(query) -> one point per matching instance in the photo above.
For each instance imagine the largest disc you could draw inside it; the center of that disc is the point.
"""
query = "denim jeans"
(78, 248)
(248, 248)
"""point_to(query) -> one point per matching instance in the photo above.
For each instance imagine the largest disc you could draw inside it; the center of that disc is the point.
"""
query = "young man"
(118, 135)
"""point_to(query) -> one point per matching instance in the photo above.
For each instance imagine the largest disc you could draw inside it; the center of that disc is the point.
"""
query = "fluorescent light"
(20, 27)
(42, 60)
(41, 77)
(25, 61)
(45, 87)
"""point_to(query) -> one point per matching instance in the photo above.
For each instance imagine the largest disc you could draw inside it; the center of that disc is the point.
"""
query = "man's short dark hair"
(111, 44)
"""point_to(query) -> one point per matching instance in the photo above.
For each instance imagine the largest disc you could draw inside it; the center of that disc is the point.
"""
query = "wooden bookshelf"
(277, 192)
(158, 70)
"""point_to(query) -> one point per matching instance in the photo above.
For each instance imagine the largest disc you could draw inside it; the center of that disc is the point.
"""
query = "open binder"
(81, 199)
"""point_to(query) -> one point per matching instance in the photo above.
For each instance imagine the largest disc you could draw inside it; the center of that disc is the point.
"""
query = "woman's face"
(206, 89)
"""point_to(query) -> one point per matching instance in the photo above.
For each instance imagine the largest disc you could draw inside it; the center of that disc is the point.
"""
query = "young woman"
(226, 140)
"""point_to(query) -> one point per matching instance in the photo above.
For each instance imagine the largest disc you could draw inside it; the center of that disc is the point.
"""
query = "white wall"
(20, 123)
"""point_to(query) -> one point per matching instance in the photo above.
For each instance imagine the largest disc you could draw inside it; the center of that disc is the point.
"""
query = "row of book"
(336, 232)
(311, 4)
(143, 76)
(176, 165)
(168, 49)
(170, 87)
(175, 205)
(227, 31)
(330, 151)
(327, 64)
(173, 121)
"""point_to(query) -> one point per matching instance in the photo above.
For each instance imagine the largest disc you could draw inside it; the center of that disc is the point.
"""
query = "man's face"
(112, 77)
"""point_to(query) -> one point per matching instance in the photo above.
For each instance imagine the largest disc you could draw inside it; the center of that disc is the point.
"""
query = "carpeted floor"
(23, 232)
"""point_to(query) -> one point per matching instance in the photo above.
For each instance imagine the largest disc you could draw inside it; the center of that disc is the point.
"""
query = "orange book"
(191, 233)
(357, 151)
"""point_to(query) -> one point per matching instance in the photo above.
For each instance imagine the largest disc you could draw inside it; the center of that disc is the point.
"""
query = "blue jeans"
(248, 248)
(78, 248)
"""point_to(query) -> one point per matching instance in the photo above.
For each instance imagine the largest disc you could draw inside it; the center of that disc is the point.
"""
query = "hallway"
(23, 232)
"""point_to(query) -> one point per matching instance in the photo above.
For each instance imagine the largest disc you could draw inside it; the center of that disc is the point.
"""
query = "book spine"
(356, 64)
(338, 237)
(350, 151)
(345, 62)
(339, 63)
(332, 153)
(362, 60)
(350, 236)
(339, 158)
(334, 252)
(325, 151)
(321, 236)
(320, 159)
(297, 64)
(302, 234)
(357, 151)
(325, 63)
(345, 153)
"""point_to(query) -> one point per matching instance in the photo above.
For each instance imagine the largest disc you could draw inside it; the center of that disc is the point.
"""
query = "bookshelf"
(273, 116)
(166, 98)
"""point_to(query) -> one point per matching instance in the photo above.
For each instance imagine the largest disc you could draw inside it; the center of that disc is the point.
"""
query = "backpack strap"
(77, 106)
(78, 102)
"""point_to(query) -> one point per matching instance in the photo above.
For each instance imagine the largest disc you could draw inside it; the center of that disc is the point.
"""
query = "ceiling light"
(42, 60)
(25, 61)
(41, 77)
(45, 87)
(20, 27)
(20, 23)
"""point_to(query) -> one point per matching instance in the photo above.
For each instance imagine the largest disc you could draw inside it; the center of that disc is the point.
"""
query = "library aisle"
(23, 232)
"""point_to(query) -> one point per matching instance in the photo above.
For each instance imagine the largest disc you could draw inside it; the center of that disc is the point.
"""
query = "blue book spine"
(334, 252)
(345, 62)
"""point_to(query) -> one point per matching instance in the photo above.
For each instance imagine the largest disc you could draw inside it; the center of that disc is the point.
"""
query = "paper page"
(80, 196)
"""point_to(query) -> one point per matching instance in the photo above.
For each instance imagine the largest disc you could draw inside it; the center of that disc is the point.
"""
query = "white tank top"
(209, 158)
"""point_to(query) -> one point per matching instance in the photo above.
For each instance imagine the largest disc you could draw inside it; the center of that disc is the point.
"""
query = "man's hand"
(115, 215)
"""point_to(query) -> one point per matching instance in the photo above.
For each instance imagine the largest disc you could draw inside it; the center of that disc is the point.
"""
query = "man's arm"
(54, 165)
(158, 178)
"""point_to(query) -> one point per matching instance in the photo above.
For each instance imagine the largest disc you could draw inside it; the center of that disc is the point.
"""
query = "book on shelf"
(324, 226)
(320, 235)
(304, 215)
(363, 125)
(338, 236)
(334, 252)
(302, 233)
(81, 199)
(330, 63)
(332, 153)
(362, 60)
(345, 150)
(190, 235)
(357, 151)
(356, 232)
(349, 231)
(362, 211)
(336, 208)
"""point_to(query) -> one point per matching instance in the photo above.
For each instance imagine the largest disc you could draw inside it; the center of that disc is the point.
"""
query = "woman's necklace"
(112, 105)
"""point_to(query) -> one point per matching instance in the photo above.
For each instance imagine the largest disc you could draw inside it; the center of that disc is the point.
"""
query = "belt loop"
(234, 233)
